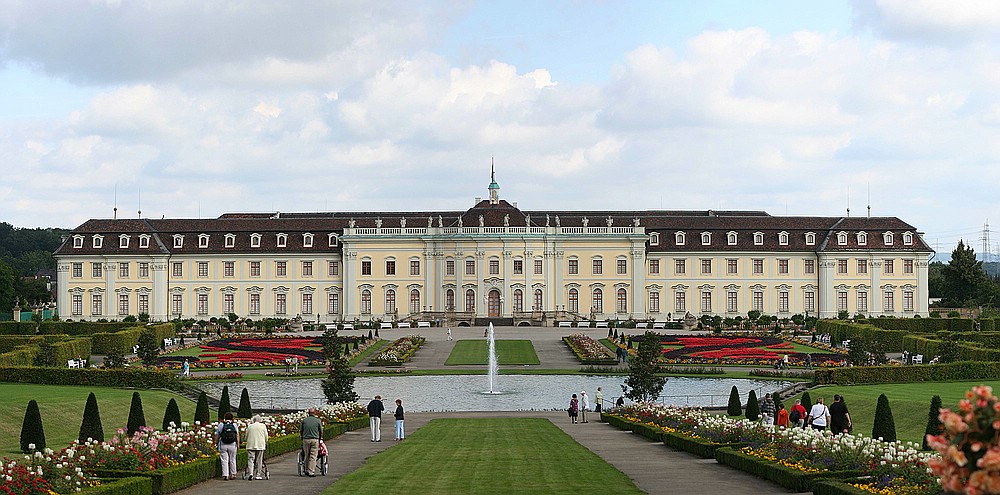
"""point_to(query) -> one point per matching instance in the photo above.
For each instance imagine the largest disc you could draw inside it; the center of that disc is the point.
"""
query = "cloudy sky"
(203, 107)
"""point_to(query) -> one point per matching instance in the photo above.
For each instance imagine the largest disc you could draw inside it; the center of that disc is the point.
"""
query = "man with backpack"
(227, 437)
(797, 417)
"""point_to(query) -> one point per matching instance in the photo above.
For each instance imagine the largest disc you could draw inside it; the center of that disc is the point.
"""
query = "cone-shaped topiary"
(171, 415)
(934, 425)
(136, 418)
(202, 414)
(244, 411)
(807, 401)
(753, 408)
(32, 433)
(735, 408)
(91, 426)
(885, 426)
(224, 404)
(776, 397)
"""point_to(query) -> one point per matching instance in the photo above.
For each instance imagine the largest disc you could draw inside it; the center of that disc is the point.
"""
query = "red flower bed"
(735, 349)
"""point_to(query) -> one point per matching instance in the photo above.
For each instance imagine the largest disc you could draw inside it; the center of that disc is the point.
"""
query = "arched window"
(598, 300)
(538, 300)
(390, 301)
(574, 301)
(366, 302)
(518, 300)
(470, 301)
(622, 301)
(414, 301)
(449, 300)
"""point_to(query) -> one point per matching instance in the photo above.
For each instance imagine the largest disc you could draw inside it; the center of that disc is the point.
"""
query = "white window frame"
(203, 241)
(77, 241)
(143, 241)
(230, 240)
(98, 242)
(706, 238)
(680, 238)
(255, 240)
(887, 238)
(178, 241)
(307, 240)
(282, 240)
(758, 238)
(810, 239)
(123, 241)
(732, 238)
(654, 239)
(782, 238)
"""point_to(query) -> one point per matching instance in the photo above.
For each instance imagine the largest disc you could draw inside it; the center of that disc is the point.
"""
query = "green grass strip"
(486, 456)
(475, 352)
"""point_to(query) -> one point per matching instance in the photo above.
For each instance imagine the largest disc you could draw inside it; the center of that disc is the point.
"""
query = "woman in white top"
(819, 415)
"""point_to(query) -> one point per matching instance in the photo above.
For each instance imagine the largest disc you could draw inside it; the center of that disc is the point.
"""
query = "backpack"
(228, 434)
(795, 416)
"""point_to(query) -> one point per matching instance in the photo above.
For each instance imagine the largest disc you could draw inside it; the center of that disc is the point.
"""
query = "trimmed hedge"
(840, 331)
(136, 485)
(94, 377)
(697, 446)
(833, 487)
(793, 479)
(924, 325)
(950, 372)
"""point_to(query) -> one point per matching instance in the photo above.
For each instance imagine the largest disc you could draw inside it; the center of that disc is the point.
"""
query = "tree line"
(23, 252)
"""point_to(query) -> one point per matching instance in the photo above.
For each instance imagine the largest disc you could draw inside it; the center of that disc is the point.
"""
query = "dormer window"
(282, 240)
(706, 238)
(907, 239)
(123, 241)
(758, 238)
(178, 241)
(254, 240)
(98, 241)
(862, 238)
(307, 240)
(679, 238)
(887, 238)
(731, 238)
(654, 239)
(331, 240)
(783, 238)
(143, 241)
(230, 240)
(203, 240)
(810, 239)
(841, 238)
(77, 241)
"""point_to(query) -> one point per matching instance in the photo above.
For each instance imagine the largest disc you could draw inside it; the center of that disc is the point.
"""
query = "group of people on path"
(375, 410)
(578, 407)
(227, 440)
(819, 417)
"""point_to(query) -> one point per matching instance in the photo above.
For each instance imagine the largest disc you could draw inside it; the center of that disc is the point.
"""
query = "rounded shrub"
(202, 414)
(136, 418)
(244, 410)
(753, 408)
(32, 433)
(171, 415)
(91, 426)
(735, 408)
(885, 425)
(934, 425)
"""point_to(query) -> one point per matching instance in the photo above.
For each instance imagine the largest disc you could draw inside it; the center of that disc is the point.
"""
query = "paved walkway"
(653, 467)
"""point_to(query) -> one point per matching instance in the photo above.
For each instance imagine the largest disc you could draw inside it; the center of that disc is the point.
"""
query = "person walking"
(311, 431)
(574, 408)
(399, 419)
(598, 401)
(767, 410)
(186, 369)
(375, 408)
(781, 420)
(584, 406)
(256, 443)
(797, 417)
(227, 437)
(840, 417)
(449, 333)
(819, 415)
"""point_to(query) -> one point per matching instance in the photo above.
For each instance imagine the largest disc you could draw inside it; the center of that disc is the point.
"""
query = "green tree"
(136, 418)
(735, 408)
(148, 349)
(202, 414)
(965, 282)
(171, 415)
(244, 410)
(338, 386)
(91, 427)
(934, 425)
(225, 405)
(32, 433)
(642, 383)
(885, 425)
(753, 408)
(115, 358)
(948, 351)
(807, 401)
(7, 282)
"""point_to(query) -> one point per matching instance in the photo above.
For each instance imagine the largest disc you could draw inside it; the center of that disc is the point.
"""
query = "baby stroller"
(322, 461)
(263, 470)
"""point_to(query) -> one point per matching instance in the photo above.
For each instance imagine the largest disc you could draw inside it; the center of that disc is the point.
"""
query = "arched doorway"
(494, 303)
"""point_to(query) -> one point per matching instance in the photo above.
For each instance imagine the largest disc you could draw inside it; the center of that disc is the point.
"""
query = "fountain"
(492, 363)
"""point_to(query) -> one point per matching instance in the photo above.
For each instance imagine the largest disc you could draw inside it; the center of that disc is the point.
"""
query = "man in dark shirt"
(311, 431)
(840, 418)
(375, 408)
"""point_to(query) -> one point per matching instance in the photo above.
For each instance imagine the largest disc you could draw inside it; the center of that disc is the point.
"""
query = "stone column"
(826, 304)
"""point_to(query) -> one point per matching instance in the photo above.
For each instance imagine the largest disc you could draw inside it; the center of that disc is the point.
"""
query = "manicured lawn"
(493, 455)
(474, 352)
(61, 408)
(910, 403)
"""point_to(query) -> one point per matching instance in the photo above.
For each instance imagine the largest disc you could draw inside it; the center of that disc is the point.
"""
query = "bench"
(567, 324)
(385, 324)
(423, 324)
(659, 324)
(348, 326)
(76, 363)
(918, 359)
(602, 324)
(135, 349)
(168, 342)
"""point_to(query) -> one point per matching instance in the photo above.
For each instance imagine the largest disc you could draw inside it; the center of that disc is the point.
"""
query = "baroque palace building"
(492, 261)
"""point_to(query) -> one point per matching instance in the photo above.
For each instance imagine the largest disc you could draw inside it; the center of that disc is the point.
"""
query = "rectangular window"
(518, 267)
(228, 303)
(598, 266)
(841, 300)
(731, 302)
(281, 269)
(97, 270)
(333, 303)
(706, 302)
(144, 303)
(680, 266)
(494, 267)
(229, 270)
(538, 267)
(538, 300)
(414, 267)
(307, 304)
(862, 302)
(77, 270)
(622, 266)
(842, 267)
(390, 267)
(202, 268)
(307, 269)
(907, 300)
(654, 302)
(254, 268)
(680, 302)
(782, 267)
(810, 301)
(177, 304)
(123, 304)
(783, 301)
(862, 267)
(178, 269)
(254, 303)
(143, 270)
(449, 267)
(758, 266)
(518, 301)
(908, 267)
(706, 267)
(888, 301)
(123, 270)
(333, 268)
(77, 307)
(758, 300)
(574, 267)
(732, 266)
(203, 304)
(366, 267)
(809, 267)
(470, 267)
(97, 304)
(280, 304)
(654, 267)
(888, 266)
